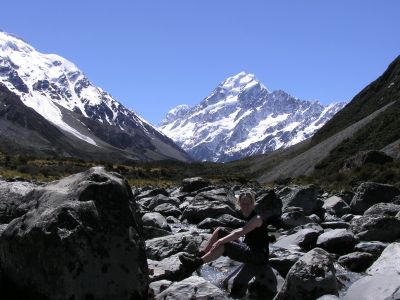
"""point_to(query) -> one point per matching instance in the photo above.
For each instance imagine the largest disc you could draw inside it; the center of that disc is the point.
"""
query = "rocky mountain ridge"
(242, 118)
(61, 93)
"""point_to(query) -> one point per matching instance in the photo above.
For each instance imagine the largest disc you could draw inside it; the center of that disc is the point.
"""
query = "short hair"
(249, 196)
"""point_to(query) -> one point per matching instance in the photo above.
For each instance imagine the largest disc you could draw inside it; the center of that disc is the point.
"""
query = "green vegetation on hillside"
(377, 134)
(160, 173)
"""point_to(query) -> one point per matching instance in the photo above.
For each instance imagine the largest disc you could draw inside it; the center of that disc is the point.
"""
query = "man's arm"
(237, 233)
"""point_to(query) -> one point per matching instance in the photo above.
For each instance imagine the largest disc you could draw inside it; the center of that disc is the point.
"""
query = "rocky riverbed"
(92, 236)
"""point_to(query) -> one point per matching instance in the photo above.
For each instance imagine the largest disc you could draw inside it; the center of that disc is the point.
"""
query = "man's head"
(246, 203)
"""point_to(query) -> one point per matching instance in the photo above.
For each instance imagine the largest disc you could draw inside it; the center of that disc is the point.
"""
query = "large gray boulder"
(356, 261)
(151, 192)
(379, 286)
(155, 219)
(282, 259)
(269, 206)
(339, 241)
(304, 238)
(387, 209)
(383, 280)
(312, 276)
(163, 247)
(337, 206)
(375, 248)
(300, 196)
(370, 193)
(190, 185)
(210, 204)
(157, 287)
(388, 262)
(152, 202)
(169, 268)
(376, 228)
(80, 238)
(260, 281)
(168, 209)
(12, 199)
(194, 288)
(292, 219)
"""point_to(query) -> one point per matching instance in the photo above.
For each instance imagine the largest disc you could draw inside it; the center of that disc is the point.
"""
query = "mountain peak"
(239, 82)
(241, 118)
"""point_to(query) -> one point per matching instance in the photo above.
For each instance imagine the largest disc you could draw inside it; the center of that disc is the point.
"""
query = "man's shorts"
(242, 252)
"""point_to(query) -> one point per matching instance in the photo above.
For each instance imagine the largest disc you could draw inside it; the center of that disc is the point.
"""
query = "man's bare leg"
(213, 254)
(212, 240)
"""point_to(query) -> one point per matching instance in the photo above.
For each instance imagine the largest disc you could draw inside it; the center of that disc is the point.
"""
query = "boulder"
(379, 286)
(151, 192)
(294, 218)
(315, 218)
(157, 287)
(260, 281)
(12, 199)
(376, 228)
(169, 268)
(347, 196)
(328, 217)
(283, 259)
(356, 261)
(172, 220)
(304, 238)
(231, 221)
(190, 185)
(348, 217)
(387, 209)
(336, 205)
(168, 209)
(152, 202)
(388, 262)
(374, 248)
(80, 238)
(210, 204)
(150, 232)
(304, 197)
(339, 241)
(194, 288)
(311, 276)
(155, 219)
(269, 206)
(162, 247)
(210, 223)
(370, 193)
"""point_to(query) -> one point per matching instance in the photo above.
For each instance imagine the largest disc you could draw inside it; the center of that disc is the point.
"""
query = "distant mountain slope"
(375, 125)
(59, 92)
(242, 118)
(377, 94)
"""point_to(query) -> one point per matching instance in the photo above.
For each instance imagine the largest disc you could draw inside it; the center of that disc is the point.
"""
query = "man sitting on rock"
(254, 248)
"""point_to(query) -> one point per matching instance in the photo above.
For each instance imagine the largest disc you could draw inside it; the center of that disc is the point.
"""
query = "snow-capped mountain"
(61, 93)
(242, 118)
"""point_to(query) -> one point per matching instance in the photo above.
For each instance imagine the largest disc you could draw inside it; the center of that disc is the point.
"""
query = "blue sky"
(153, 55)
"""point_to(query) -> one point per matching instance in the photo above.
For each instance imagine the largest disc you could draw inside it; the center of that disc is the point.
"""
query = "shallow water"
(345, 279)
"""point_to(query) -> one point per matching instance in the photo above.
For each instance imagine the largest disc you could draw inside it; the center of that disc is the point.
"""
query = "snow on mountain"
(241, 118)
(50, 84)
